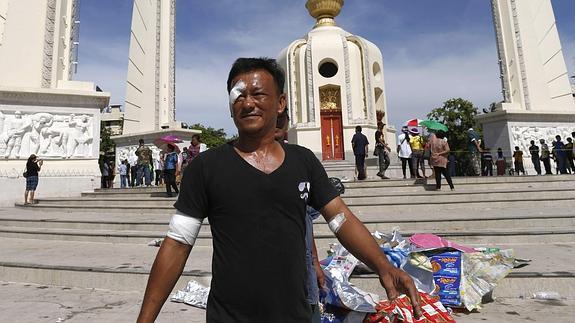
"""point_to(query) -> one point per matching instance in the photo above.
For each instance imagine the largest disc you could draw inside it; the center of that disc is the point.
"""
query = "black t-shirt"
(359, 141)
(378, 135)
(258, 229)
(32, 168)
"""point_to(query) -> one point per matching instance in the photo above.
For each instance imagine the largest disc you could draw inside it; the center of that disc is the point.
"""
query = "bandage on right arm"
(184, 228)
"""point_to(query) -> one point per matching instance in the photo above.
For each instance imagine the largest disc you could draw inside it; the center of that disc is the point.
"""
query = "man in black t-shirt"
(360, 145)
(254, 191)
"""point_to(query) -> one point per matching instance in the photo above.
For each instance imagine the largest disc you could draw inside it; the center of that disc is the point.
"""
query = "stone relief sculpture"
(46, 135)
(41, 122)
(522, 135)
(78, 138)
(15, 133)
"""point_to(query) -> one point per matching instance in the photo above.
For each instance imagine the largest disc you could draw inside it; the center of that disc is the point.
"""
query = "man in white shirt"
(133, 161)
(404, 151)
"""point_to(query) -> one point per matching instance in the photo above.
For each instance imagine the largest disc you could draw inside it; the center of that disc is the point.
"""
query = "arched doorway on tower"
(331, 123)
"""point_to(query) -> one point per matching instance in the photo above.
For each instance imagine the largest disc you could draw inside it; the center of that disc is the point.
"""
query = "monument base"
(506, 129)
(126, 145)
(60, 126)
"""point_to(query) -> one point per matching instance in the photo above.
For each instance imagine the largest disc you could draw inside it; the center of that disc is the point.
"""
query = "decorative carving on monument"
(46, 135)
(522, 135)
(347, 78)
(14, 134)
(49, 43)
(310, 87)
(330, 98)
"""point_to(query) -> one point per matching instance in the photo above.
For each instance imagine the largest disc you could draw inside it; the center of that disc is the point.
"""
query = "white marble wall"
(48, 135)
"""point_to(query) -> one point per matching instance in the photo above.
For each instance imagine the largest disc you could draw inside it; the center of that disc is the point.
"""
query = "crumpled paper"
(194, 294)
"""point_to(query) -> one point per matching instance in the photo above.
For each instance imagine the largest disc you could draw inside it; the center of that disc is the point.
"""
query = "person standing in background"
(518, 163)
(360, 145)
(159, 167)
(569, 156)
(438, 159)
(123, 170)
(170, 170)
(487, 162)
(500, 162)
(416, 142)
(474, 147)
(560, 155)
(404, 152)
(144, 159)
(33, 166)
(534, 151)
(382, 151)
(546, 157)
(196, 147)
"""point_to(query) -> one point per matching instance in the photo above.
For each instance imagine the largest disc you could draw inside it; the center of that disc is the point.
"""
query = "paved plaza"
(87, 258)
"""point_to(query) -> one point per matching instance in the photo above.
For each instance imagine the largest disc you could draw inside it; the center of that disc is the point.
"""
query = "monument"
(42, 110)
(150, 106)
(334, 82)
(538, 99)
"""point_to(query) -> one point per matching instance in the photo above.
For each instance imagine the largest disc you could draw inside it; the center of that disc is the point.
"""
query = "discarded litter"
(431, 241)
(156, 242)
(194, 294)
(547, 296)
(400, 310)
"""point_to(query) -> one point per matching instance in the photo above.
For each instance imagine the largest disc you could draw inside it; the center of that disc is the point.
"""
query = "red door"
(332, 135)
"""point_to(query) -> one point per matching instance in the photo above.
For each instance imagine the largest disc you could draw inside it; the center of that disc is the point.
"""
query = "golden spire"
(324, 11)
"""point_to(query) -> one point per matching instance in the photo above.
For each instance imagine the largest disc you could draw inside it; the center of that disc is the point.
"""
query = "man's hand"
(397, 282)
(355, 237)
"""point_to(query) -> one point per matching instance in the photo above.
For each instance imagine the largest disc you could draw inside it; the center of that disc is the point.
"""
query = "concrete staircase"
(99, 240)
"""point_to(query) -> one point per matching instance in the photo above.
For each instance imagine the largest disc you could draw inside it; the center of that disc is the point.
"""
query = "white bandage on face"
(235, 93)
(184, 228)
(336, 223)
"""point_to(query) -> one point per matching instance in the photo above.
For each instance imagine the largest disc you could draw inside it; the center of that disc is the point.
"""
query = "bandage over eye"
(336, 223)
(184, 229)
(235, 93)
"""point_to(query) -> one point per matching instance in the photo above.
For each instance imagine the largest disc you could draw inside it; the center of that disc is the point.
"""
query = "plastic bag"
(482, 271)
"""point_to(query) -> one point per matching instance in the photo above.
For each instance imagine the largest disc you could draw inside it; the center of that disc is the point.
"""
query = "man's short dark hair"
(358, 129)
(196, 135)
(244, 65)
(141, 141)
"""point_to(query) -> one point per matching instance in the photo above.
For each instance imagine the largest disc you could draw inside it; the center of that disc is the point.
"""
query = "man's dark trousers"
(536, 164)
(360, 166)
(547, 164)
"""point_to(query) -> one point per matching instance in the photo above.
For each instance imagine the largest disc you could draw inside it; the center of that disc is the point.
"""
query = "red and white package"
(401, 311)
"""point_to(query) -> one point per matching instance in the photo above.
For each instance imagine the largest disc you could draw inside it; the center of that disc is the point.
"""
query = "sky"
(433, 50)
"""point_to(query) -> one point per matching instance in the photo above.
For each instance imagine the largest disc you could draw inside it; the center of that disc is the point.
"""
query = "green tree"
(210, 136)
(458, 115)
(107, 145)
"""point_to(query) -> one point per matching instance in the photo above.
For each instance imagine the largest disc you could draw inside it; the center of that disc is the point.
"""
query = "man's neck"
(251, 143)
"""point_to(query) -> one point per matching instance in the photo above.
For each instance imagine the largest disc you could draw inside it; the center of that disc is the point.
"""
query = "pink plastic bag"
(431, 241)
